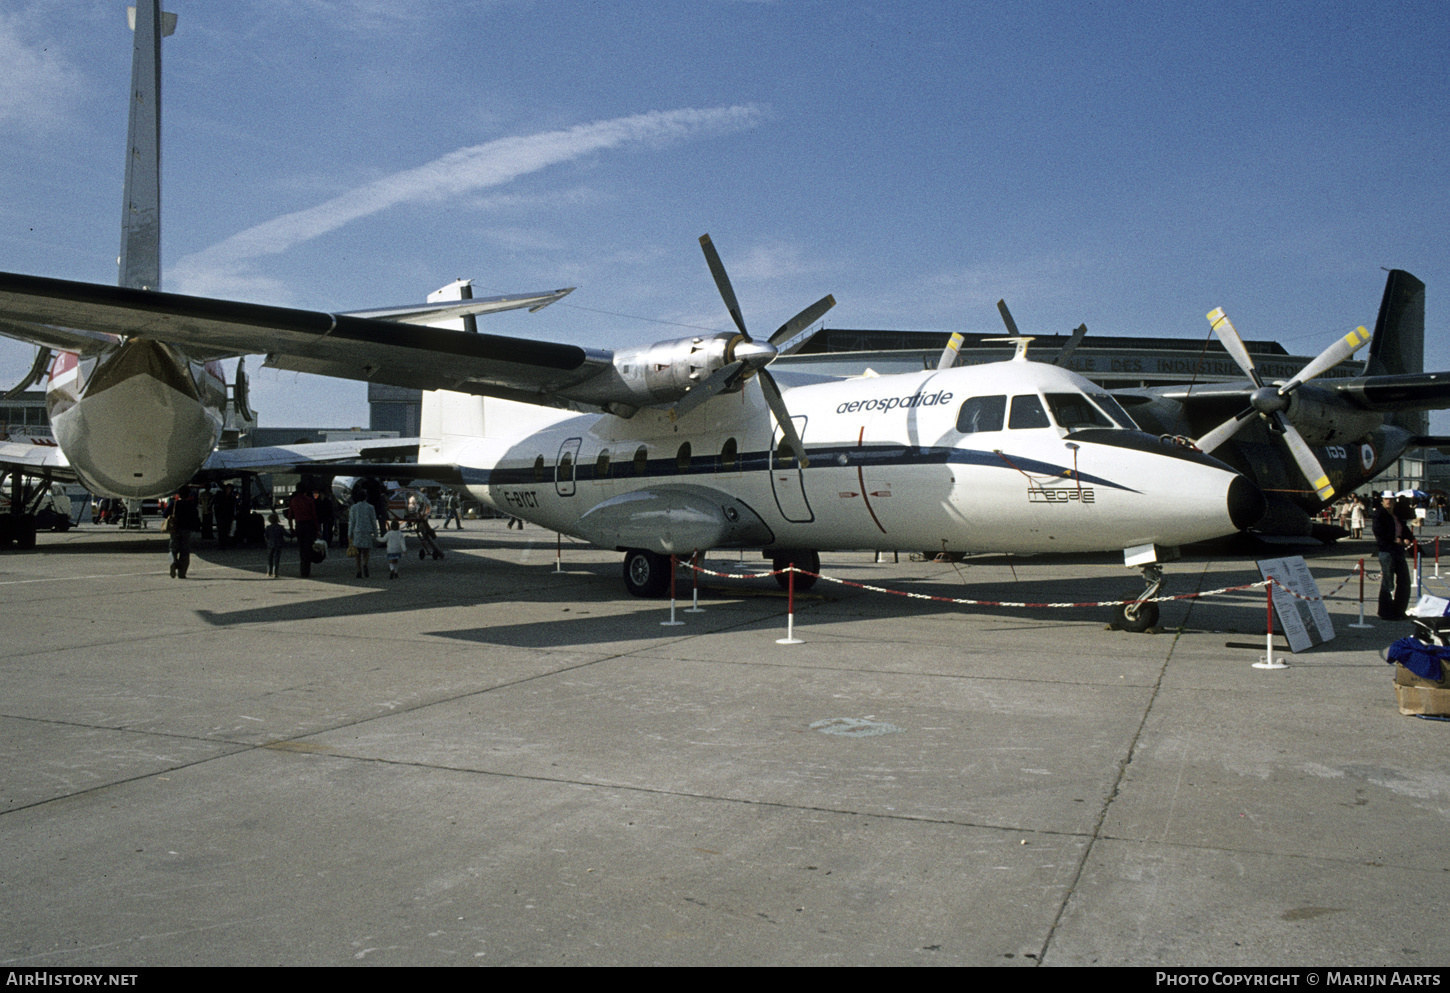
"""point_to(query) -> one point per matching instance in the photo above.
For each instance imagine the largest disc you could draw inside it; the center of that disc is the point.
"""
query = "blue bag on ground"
(1421, 659)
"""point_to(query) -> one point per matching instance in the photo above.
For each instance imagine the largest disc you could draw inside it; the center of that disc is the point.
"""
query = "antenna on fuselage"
(140, 259)
(1021, 341)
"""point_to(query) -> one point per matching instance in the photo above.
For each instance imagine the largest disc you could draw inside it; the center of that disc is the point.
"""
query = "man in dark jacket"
(1392, 537)
(303, 512)
(183, 521)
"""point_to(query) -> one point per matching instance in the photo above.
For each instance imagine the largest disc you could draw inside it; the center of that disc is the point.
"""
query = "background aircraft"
(1288, 436)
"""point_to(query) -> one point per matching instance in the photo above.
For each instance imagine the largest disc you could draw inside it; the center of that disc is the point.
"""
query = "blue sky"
(1131, 165)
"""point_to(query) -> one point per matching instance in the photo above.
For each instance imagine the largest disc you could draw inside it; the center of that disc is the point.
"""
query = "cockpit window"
(1114, 410)
(981, 414)
(1027, 412)
(1073, 412)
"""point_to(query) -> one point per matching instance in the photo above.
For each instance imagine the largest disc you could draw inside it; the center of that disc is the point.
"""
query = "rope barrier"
(1009, 603)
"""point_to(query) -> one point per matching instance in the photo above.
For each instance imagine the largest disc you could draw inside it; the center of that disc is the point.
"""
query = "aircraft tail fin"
(1398, 347)
(1399, 333)
(140, 256)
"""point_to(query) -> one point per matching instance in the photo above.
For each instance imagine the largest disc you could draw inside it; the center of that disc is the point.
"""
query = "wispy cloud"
(222, 269)
(37, 83)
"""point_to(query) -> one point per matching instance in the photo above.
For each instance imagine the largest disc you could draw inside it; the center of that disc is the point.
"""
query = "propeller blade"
(722, 283)
(949, 354)
(790, 336)
(782, 417)
(1233, 343)
(704, 390)
(1224, 431)
(1007, 319)
(1304, 456)
(1336, 353)
(1071, 346)
(42, 362)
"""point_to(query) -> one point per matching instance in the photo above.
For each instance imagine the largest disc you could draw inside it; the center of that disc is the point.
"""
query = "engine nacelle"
(1324, 419)
(664, 371)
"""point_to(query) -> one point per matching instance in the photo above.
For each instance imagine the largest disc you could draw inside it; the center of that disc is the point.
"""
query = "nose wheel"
(1140, 615)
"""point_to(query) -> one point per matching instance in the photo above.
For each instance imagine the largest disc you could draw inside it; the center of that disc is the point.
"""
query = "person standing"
(304, 524)
(275, 535)
(1356, 516)
(362, 530)
(326, 515)
(397, 543)
(451, 511)
(182, 522)
(224, 508)
(1392, 537)
(203, 506)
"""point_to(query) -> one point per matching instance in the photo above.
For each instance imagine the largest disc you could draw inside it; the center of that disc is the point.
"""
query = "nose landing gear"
(1139, 615)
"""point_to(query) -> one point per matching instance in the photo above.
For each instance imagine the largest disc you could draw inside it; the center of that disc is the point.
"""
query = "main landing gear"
(809, 561)
(646, 574)
(1139, 615)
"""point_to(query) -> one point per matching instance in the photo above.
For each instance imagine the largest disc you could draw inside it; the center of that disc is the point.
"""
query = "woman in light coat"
(362, 530)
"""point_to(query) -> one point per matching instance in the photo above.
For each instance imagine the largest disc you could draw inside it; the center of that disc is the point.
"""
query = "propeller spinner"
(750, 357)
(1271, 403)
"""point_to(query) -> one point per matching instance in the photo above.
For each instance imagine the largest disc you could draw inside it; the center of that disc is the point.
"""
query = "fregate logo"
(892, 403)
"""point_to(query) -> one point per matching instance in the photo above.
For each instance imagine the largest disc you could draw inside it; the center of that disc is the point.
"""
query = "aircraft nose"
(1246, 503)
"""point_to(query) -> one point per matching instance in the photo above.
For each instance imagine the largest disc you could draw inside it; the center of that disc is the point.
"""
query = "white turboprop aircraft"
(135, 412)
(692, 445)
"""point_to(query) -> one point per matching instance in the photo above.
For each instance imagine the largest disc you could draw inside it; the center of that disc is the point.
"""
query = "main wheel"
(646, 574)
(1140, 619)
(809, 561)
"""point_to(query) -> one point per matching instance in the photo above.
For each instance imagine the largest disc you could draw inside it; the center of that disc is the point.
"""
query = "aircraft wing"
(308, 456)
(1410, 391)
(36, 460)
(348, 346)
(60, 339)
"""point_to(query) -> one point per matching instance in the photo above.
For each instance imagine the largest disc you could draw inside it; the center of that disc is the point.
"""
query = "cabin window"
(729, 455)
(1027, 413)
(981, 414)
(682, 458)
(539, 469)
(641, 460)
(601, 465)
(1074, 412)
(566, 466)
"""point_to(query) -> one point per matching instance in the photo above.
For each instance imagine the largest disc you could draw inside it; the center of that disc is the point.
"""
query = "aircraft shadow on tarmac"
(582, 606)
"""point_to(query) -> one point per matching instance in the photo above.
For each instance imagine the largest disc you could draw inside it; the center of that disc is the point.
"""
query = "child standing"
(275, 535)
(396, 543)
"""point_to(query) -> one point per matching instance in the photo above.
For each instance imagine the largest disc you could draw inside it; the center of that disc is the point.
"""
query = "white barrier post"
(558, 551)
(1361, 623)
(790, 638)
(1267, 662)
(695, 607)
(672, 623)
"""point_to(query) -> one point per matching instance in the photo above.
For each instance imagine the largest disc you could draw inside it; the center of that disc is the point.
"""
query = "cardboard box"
(1422, 696)
(1422, 700)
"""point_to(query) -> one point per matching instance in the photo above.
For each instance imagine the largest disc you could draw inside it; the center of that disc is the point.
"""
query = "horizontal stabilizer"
(430, 313)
